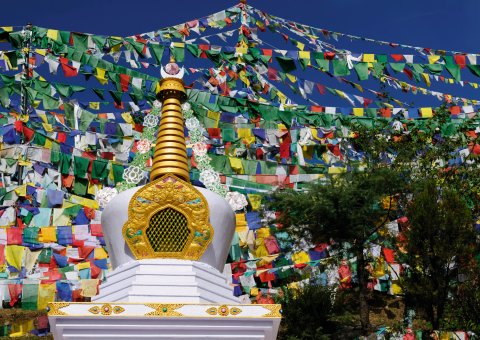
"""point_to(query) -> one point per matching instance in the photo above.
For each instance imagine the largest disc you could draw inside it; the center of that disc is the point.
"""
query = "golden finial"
(170, 155)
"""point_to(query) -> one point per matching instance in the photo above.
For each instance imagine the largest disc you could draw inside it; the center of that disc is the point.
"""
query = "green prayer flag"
(65, 163)
(117, 96)
(397, 67)
(99, 93)
(454, 70)
(39, 139)
(362, 71)
(340, 68)
(80, 186)
(194, 50)
(30, 235)
(475, 69)
(99, 169)
(50, 103)
(80, 166)
(434, 68)
(80, 41)
(29, 296)
(45, 255)
(287, 64)
(117, 170)
(69, 114)
(178, 53)
(86, 119)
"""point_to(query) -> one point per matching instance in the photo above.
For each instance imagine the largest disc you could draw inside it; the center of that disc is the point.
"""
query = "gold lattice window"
(168, 231)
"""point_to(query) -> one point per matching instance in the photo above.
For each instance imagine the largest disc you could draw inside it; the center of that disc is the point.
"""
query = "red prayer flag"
(69, 71)
(124, 82)
(397, 57)
(460, 60)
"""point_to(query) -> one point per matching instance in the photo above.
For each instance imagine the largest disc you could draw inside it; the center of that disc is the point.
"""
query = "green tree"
(348, 209)
(438, 243)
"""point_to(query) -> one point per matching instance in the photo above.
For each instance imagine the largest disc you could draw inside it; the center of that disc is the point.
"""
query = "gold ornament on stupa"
(169, 217)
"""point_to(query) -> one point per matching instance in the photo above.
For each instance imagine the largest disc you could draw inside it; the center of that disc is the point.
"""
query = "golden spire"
(170, 155)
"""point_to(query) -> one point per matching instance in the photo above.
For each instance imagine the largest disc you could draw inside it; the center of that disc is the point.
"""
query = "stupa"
(168, 242)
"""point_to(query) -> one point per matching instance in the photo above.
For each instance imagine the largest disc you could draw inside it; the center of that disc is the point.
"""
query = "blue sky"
(447, 24)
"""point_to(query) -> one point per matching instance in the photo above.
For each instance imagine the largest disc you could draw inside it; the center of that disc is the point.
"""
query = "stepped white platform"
(151, 280)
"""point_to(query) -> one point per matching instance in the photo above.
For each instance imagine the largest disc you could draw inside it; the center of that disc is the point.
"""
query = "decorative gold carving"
(164, 309)
(106, 309)
(170, 154)
(171, 87)
(168, 218)
(223, 310)
(94, 310)
(274, 311)
(54, 308)
(235, 310)
(118, 310)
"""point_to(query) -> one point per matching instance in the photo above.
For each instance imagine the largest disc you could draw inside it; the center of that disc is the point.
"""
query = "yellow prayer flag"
(282, 97)
(48, 143)
(358, 87)
(304, 54)
(240, 220)
(47, 127)
(291, 77)
(178, 44)
(7, 28)
(21, 191)
(369, 58)
(100, 254)
(426, 78)
(263, 232)
(301, 257)
(46, 294)
(358, 111)
(43, 116)
(300, 45)
(215, 116)
(396, 289)
(101, 76)
(244, 132)
(426, 112)
(83, 265)
(21, 329)
(432, 59)
(52, 34)
(84, 201)
(89, 287)
(14, 255)
(95, 105)
(47, 234)
(255, 201)
(236, 164)
(243, 77)
(241, 50)
(336, 170)
(41, 51)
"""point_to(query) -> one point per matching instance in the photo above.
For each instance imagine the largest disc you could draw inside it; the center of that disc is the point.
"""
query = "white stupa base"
(166, 281)
(78, 321)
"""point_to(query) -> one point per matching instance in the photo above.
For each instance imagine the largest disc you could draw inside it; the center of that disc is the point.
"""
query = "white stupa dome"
(222, 219)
